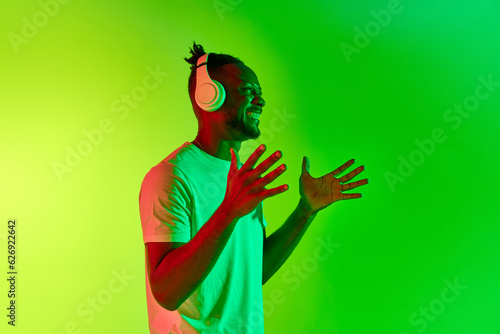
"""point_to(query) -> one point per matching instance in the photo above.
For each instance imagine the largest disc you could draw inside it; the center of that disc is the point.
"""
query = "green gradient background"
(396, 247)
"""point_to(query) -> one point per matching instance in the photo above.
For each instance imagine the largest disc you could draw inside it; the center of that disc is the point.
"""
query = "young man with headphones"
(207, 253)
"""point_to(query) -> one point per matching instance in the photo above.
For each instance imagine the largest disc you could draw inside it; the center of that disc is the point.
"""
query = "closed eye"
(252, 90)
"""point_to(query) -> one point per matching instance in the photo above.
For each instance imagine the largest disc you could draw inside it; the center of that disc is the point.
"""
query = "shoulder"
(165, 174)
(172, 168)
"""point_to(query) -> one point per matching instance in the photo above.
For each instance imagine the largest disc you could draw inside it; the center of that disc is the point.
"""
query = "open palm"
(318, 193)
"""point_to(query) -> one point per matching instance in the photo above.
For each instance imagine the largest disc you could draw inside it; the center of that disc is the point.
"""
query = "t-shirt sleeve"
(260, 211)
(165, 205)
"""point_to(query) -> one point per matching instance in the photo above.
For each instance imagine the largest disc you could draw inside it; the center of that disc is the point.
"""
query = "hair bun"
(196, 52)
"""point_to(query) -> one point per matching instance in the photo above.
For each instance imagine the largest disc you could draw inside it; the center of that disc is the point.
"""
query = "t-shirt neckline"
(208, 156)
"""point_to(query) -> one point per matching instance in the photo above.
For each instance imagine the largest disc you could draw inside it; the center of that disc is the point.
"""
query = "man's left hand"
(318, 193)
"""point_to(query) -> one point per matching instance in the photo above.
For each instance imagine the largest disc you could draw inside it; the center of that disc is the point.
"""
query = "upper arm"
(165, 204)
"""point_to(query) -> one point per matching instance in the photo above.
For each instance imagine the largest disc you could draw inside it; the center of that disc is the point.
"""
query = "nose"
(258, 100)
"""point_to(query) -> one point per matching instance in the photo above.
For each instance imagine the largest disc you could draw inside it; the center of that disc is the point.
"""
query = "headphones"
(209, 94)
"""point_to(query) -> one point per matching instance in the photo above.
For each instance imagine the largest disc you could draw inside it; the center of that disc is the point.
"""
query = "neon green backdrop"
(410, 89)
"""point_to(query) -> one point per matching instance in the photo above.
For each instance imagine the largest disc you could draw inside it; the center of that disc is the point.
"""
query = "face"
(243, 104)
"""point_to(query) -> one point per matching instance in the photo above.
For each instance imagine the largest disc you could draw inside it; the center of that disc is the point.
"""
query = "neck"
(216, 147)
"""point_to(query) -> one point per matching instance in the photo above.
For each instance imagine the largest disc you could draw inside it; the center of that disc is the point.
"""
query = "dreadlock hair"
(215, 62)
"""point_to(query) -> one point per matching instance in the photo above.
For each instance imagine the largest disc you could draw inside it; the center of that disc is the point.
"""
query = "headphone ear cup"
(210, 94)
(221, 96)
(206, 94)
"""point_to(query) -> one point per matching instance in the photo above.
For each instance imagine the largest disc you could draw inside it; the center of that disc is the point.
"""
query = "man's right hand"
(246, 187)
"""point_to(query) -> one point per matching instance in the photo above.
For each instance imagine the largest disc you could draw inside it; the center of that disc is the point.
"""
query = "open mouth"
(253, 115)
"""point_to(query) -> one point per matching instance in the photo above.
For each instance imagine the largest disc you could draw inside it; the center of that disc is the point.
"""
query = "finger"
(253, 158)
(264, 165)
(273, 191)
(349, 196)
(270, 177)
(352, 174)
(236, 157)
(342, 168)
(352, 185)
(305, 165)
(234, 162)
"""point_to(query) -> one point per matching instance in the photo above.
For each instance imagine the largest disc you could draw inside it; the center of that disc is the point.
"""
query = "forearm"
(279, 245)
(184, 268)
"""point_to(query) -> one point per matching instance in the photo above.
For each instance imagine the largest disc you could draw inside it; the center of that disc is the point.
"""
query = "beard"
(233, 122)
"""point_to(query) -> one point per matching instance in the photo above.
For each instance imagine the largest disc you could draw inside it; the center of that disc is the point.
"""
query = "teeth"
(254, 115)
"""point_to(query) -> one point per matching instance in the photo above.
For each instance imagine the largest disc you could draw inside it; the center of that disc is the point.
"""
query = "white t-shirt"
(177, 197)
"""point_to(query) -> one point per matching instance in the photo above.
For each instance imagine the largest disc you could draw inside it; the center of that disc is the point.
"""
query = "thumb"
(305, 165)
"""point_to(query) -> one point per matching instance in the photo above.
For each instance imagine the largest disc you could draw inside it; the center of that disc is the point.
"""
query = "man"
(207, 253)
